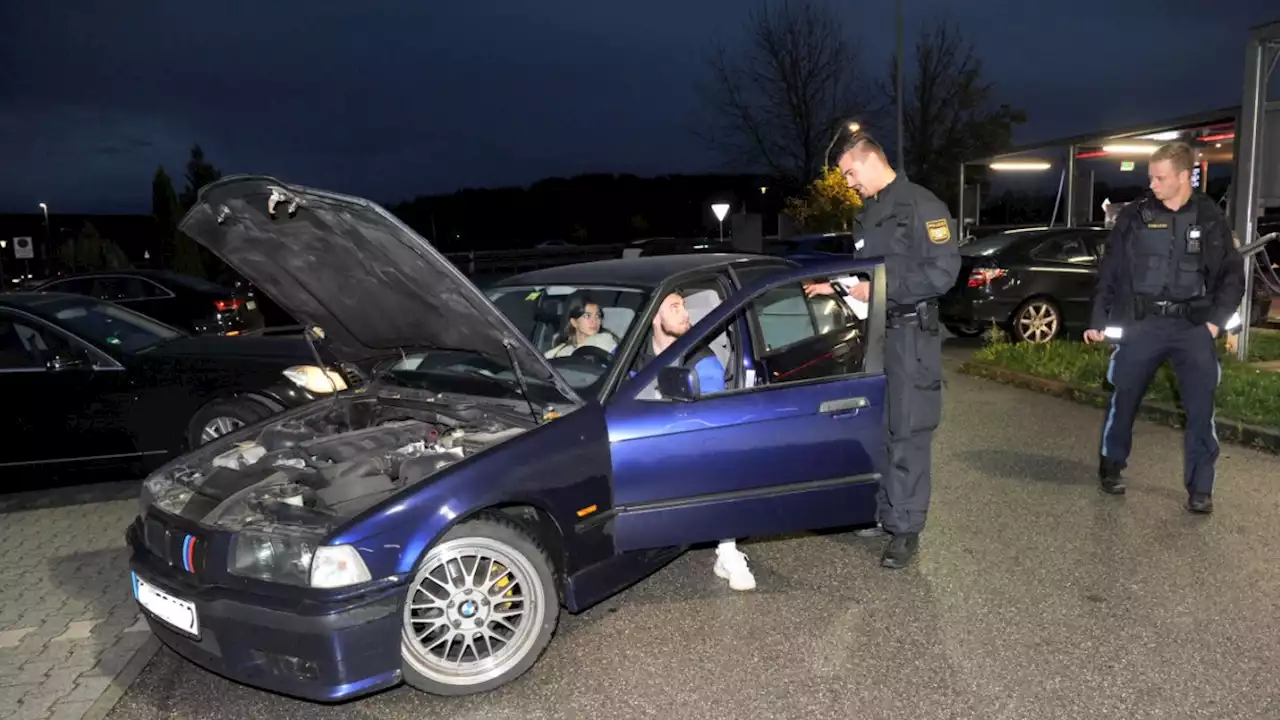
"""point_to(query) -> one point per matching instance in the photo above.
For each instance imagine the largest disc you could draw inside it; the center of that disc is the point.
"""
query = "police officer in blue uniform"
(1169, 283)
(914, 232)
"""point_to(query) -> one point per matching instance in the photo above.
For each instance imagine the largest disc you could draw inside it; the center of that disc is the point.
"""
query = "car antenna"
(524, 386)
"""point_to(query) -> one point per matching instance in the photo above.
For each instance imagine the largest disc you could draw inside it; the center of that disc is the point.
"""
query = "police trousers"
(913, 373)
(1191, 349)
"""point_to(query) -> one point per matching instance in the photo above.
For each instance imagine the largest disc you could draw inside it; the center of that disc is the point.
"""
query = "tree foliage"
(949, 112)
(199, 174)
(827, 205)
(178, 251)
(89, 252)
(777, 100)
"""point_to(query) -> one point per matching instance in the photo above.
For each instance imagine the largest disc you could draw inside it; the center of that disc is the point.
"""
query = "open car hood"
(370, 284)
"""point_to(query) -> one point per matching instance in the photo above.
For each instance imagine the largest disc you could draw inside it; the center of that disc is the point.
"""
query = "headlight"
(314, 379)
(296, 561)
(145, 499)
(275, 557)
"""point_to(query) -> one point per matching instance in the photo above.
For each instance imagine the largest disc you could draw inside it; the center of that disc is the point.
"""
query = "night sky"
(391, 100)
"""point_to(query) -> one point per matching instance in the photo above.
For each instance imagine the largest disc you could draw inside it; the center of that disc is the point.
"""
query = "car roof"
(168, 278)
(32, 302)
(646, 272)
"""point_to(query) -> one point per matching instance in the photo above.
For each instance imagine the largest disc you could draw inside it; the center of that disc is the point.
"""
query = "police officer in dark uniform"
(915, 234)
(1169, 282)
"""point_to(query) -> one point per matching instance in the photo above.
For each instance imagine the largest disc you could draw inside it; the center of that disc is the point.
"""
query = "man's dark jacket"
(1221, 265)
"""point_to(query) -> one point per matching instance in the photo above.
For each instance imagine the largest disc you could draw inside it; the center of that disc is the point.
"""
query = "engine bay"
(318, 468)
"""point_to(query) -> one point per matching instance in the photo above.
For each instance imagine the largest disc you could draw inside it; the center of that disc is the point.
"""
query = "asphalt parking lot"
(1035, 596)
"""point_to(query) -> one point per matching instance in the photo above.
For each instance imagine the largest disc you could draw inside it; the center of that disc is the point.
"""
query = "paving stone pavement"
(68, 622)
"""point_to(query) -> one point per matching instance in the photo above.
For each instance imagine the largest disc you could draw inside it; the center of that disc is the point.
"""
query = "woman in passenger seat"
(584, 323)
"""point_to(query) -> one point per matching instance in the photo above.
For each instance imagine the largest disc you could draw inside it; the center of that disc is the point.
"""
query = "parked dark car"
(1035, 284)
(429, 526)
(88, 383)
(811, 248)
(191, 303)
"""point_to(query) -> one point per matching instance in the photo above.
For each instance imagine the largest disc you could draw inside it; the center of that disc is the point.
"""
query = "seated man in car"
(671, 322)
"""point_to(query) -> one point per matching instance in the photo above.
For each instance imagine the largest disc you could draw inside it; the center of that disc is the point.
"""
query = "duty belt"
(925, 313)
(1168, 308)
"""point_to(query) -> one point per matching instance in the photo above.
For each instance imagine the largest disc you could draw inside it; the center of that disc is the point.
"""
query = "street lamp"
(48, 238)
(853, 127)
(721, 210)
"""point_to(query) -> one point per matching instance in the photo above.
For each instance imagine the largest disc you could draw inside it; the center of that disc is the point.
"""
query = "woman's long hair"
(577, 308)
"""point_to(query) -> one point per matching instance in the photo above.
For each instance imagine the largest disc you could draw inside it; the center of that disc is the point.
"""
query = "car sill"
(748, 494)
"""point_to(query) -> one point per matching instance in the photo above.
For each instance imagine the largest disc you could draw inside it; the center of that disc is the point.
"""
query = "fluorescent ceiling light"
(1130, 149)
(1024, 166)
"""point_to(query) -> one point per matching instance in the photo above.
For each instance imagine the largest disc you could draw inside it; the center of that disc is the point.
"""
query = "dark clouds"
(392, 99)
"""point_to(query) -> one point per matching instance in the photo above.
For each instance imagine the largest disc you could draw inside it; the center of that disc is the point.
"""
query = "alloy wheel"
(472, 612)
(219, 426)
(1038, 322)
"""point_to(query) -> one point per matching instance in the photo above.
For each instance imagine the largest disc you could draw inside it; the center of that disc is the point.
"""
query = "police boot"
(900, 550)
(1109, 477)
(1201, 503)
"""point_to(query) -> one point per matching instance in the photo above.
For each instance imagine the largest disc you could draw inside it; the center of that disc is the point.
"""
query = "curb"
(1231, 431)
(123, 680)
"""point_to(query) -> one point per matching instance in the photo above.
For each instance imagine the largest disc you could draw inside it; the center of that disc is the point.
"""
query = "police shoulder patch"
(939, 231)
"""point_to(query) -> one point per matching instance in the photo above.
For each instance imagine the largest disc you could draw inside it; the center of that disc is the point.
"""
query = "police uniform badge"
(939, 231)
(1193, 239)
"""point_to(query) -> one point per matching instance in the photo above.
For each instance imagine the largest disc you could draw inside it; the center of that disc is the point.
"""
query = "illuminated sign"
(1126, 165)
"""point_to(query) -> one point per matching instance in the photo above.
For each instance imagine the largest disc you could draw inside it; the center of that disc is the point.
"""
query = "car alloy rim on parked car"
(472, 611)
(218, 427)
(1038, 322)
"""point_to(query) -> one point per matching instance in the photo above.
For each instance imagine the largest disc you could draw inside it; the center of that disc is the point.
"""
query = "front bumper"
(326, 652)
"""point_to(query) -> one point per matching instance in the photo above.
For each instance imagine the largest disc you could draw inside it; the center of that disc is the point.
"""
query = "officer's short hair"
(1178, 153)
(868, 143)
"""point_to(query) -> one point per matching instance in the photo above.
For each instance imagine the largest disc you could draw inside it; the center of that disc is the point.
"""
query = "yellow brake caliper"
(500, 570)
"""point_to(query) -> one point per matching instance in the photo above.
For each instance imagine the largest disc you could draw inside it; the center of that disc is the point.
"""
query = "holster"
(930, 317)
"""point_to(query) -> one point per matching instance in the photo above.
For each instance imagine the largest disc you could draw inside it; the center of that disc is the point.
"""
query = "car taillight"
(227, 305)
(983, 276)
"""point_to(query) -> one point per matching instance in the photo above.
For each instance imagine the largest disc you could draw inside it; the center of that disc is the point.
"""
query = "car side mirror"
(69, 360)
(678, 383)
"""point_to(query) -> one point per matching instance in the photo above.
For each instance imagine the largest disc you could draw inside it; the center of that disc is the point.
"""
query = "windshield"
(577, 328)
(466, 373)
(108, 324)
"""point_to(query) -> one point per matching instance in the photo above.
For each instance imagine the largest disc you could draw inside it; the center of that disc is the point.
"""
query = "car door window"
(75, 286)
(144, 289)
(701, 297)
(25, 345)
(121, 288)
(784, 318)
(1067, 249)
(800, 339)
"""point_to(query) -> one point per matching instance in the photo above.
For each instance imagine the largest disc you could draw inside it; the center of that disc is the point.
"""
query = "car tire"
(466, 579)
(1037, 320)
(965, 331)
(227, 416)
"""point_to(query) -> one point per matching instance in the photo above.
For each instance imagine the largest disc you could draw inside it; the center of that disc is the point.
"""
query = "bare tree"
(949, 115)
(778, 100)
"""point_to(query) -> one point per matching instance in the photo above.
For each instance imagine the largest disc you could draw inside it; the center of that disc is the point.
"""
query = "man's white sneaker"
(731, 565)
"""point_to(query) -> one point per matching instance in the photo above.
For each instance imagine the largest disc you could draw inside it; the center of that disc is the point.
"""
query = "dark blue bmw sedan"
(429, 526)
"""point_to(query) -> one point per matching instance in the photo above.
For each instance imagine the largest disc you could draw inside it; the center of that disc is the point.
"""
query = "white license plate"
(181, 614)
(251, 305)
